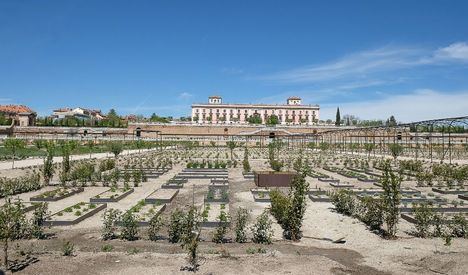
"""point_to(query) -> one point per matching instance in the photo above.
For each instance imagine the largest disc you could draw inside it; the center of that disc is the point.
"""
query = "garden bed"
(144, 212)
(341, 185)
(329, 179)
(211, 212)
(217, 195)
(319, 198)
(449, 190)
(111, 195)
(57, 194)
(463, 197)
(409, 217)
(161, 196)
(74, 214)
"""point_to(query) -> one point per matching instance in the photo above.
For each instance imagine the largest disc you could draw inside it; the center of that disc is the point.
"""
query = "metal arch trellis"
(439, 135)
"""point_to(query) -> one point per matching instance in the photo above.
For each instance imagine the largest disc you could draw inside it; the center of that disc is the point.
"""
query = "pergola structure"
(431, 139)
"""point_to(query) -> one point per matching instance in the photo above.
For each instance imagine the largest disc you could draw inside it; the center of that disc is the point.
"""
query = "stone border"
(341, 185)
(463, 196)
(49, 199)
(107, 200)
(77, 220)
(330, 179)
(212, 224)
(450, 191)
(149, 200)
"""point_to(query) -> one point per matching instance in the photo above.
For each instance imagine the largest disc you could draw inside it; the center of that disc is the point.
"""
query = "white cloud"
(185, 96)
(365, 63)
(415, 106)
(455, 51)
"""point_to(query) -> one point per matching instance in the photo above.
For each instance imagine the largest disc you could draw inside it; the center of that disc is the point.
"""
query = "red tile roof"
(15, 109)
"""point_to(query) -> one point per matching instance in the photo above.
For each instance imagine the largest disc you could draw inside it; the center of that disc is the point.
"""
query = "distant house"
(20, 114)
(78, 113)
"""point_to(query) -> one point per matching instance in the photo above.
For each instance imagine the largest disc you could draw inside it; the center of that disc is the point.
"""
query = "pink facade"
(292, 113)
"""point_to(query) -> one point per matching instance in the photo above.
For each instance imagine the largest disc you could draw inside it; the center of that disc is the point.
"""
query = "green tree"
(116, 148)
(245, 162)
(231, 145)
(369, 147)
(14, 145)
(10, 215)
(262, 231)
(338, 117)
(273, 120)
(241, 223)
(391, 198)
(48, 167)
(395, 150)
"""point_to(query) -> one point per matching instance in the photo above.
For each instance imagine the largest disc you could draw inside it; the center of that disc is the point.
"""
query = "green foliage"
(37, 221)
(280, 208)
(48, 167)
(245, 162)
(13, 186)
(129, 226)
(424, 215)
(176, 226)
(262, 231)
(110, 218)
(13, 145)
(344, 202)
(254, 119)
(391, 198)
(221, 229)
(272, 120)
(459, 226)
(370, 212)
(154, 227)
(115, 147)
(395, 150)
(242, 217)
(68, 249)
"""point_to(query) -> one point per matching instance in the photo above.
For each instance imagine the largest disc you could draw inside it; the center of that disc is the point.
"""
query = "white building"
(217, 112)
(79, 113)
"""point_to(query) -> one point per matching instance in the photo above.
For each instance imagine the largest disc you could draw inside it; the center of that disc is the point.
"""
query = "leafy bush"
(176, 226)
(241, 223)
(221, 230)
(68, 249)
(110, 218)
(155, 225)
(129, 226)
(423, 214)
(261, 230)
(344, 202)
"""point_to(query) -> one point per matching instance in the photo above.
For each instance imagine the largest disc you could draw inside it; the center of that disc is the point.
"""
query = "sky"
(370, 58)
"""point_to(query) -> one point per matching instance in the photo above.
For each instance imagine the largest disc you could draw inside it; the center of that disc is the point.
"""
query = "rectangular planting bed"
(111, 195)
(211, 212)
(409, 217)
(319, 198)
(341, 185)
(273, 179)
(144, 212)
(74, 214)
(455, 191)
(248, 175)
(463, 197)
(328, 179)
(57, 194)
(161, 196)
(217, 195)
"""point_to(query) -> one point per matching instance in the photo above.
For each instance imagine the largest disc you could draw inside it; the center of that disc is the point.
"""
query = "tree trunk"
(5, 253)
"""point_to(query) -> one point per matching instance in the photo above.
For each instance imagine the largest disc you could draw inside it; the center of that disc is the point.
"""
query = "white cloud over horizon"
(418, 105)
(365, 63)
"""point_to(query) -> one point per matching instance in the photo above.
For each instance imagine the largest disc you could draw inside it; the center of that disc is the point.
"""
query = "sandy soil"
(363, 253)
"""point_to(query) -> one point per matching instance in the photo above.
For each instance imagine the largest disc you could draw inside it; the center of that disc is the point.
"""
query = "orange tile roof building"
(20, 114)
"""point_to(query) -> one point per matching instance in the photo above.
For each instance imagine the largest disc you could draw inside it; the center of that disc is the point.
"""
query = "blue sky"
(370, 58)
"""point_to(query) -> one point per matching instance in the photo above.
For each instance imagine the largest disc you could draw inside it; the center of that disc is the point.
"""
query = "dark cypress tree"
(338, 117)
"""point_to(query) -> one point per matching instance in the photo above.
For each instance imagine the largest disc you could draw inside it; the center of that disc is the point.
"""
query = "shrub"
(391, 198)
(129, 226)
(68, 249)
(175, 226)
(241, 223)
(37, 221)
(459, 226)
(107, 248)
(221, 230)
(110, 219)
(423, 214)
(344, 202)
(155, 225)
(370, 212)
(261, 230)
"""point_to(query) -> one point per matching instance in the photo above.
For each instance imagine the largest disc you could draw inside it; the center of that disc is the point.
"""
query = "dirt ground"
(363, 253)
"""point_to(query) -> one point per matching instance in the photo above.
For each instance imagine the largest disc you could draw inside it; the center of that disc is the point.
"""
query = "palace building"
(291, 113)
